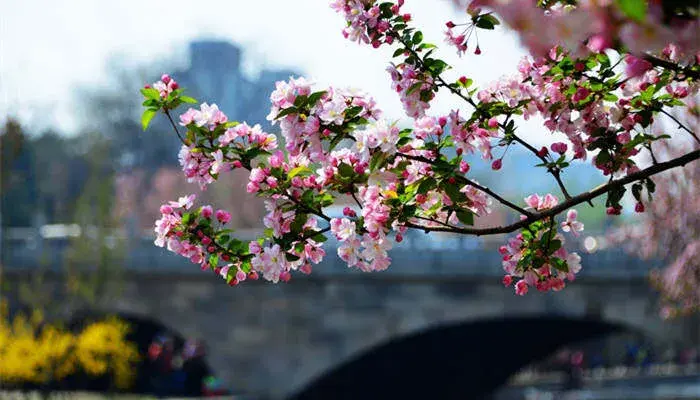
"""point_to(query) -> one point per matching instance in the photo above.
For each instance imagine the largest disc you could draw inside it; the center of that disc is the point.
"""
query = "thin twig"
(658, 62)
(556, 173)
(469, 182)
(581, 198)
(681, 126)
(170, 118)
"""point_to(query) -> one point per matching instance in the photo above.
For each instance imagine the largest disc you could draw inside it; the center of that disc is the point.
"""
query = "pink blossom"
(206, 211)
(521, 288)
(223, 216)
(571, 224)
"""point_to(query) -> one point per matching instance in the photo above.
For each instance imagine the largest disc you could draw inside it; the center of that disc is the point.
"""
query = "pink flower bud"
(612, 211)
(165, 78)
(450, 24)
(478, 50)
(639, 207)
(406, 17)
(240, 275)
(349, 212)
(496, 164)
(226, 257)
(399, 238)
(146, 86)
(285, 276)
(166, 209)
(207, 212)
(211, 249)
(442, 121)
(223, 216)
(206, 240)
(463, 167)
(463, 80)
(233, 282)
(559, 147)
(237, 164)
(543, 152)
(254, 247)
(253, 275)
(521, 288)
(507, 280)
(493, 122)
(305, 269)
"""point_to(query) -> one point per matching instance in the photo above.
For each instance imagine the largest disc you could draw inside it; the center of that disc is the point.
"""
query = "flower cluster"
(368, 22)
(339, 149)
(165, 86)
(536, 256)
(587, 26)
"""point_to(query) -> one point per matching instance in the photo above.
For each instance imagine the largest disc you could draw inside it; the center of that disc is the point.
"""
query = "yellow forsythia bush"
(32, 352)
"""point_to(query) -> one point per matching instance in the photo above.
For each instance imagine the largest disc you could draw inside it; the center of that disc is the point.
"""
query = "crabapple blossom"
(598, 76)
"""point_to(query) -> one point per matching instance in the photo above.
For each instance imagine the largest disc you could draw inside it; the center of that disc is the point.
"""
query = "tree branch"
(658, 62)
(581, 198)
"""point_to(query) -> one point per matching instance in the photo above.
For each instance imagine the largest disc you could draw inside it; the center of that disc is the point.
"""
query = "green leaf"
(417, 37)
(300, 170)
(487, 21)
(186, 218)
(151, 93)
(634, 9)
(214, 260)
(188, 99)
(314, 97)
(426, 185)
(300, 101)
(147, 117)
(346, 170)
(378, 160)
(287, 111)
(320, 238)
(454, 194)
(465, 217)
(297, 225)
(414, 87)
(560, 264)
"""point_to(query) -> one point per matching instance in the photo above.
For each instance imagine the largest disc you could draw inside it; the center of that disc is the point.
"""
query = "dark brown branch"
(581, 198)
(658, 62)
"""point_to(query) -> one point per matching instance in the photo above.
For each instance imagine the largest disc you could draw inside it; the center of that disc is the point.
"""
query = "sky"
(49, 49)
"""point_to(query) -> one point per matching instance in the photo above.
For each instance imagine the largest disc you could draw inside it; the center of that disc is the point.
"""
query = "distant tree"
(17, 176)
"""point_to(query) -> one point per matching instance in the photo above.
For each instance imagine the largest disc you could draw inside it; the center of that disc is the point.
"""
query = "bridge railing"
(418, 255)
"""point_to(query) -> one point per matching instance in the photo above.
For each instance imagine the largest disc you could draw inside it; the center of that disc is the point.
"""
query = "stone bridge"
(270, 339)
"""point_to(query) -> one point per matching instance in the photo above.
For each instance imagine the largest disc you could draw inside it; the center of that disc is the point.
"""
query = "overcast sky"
(49, 48)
